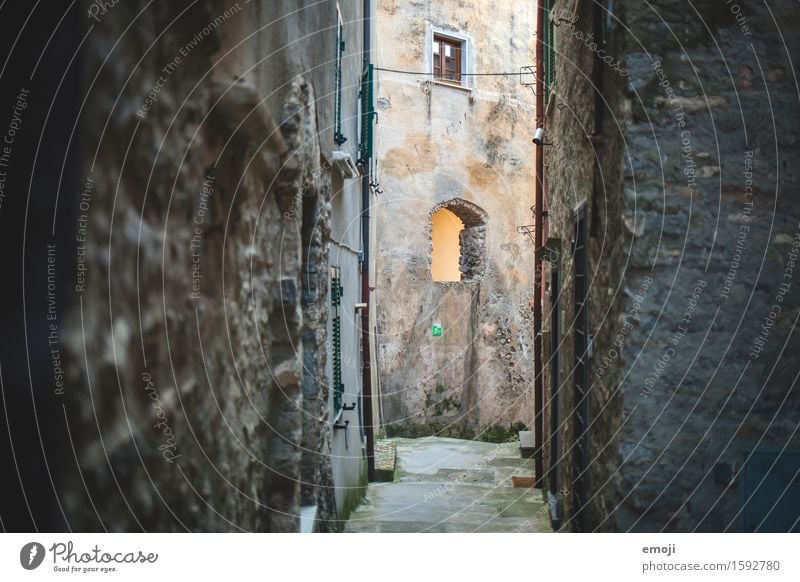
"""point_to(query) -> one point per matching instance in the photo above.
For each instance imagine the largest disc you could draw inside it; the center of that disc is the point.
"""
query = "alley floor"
(453, 485)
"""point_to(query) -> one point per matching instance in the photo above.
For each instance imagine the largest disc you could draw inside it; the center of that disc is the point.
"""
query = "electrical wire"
(462, 74)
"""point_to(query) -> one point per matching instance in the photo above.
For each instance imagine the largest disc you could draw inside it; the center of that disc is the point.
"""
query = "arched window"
(446, 252)
(458, 241)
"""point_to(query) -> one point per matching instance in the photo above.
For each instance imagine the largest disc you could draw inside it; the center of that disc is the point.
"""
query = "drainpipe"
(538, 384)
(366, 378)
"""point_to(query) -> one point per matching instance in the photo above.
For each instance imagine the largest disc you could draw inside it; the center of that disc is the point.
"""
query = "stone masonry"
(206, 253)
(687, 162)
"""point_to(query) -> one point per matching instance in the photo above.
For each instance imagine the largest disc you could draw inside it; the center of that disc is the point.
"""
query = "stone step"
(385, 460)
(498, 525)
(450, 506)
(451, 485)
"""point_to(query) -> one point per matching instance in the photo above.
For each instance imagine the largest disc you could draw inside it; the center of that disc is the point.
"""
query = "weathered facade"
(192, 202)
(464, 147)
(200, 380)
(671, 134)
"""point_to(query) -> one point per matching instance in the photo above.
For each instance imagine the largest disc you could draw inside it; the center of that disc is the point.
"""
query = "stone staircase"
(452, 485)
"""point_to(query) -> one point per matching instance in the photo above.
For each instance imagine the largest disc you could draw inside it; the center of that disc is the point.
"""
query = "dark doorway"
(581, 368)
(554, 478)
(771, 492)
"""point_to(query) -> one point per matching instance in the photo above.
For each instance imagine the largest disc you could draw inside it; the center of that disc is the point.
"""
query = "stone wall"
(687, 257)
(582, 166)
(196, 344)
(467, 149)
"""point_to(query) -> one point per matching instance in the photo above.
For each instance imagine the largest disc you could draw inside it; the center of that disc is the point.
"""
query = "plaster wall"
(438, 143)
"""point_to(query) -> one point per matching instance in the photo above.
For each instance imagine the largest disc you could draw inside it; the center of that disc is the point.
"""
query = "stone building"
(202, 229)
(453, 273)
(673, 227)
(213, 340)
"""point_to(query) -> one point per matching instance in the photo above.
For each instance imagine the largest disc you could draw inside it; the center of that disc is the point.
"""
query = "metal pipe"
(366, 378)
(538, 384)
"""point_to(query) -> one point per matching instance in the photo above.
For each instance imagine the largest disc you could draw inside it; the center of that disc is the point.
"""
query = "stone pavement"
(453, 485)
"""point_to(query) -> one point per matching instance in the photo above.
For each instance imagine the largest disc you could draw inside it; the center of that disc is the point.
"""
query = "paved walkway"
(453, 485)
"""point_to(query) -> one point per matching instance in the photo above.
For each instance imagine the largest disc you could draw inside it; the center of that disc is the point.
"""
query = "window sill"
(453, 85)
(551, 104)
(454, 283)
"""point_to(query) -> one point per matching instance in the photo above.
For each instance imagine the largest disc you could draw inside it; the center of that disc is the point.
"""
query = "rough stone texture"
(571, 178)
(190, 406)
(385, 460)
(675, 403)
(468, 150)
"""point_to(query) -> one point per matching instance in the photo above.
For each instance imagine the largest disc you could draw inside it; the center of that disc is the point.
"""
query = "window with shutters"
(338, 136)
(549, 42)
(367, 112)
(336, 328)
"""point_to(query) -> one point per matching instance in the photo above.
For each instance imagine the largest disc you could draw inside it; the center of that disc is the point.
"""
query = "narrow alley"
(325, 266)
(454, 486)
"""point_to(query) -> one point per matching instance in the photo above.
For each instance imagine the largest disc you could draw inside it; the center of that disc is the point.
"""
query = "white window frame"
(467, 59)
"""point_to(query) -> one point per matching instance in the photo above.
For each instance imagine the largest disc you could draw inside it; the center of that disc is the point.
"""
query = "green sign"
(436, 329)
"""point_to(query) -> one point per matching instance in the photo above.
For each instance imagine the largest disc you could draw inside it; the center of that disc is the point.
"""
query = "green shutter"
(336, 302)
(367, 115)
(339, 137)
(549, 49)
